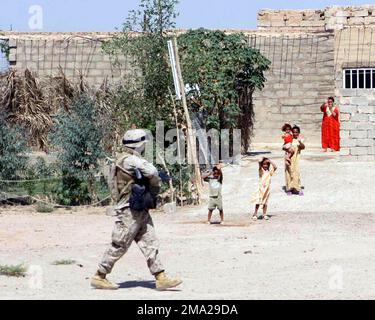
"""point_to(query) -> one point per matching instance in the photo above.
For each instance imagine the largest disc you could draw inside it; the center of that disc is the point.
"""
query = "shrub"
(13, 159)
(30, 186)
(72, 191)
(79, 136)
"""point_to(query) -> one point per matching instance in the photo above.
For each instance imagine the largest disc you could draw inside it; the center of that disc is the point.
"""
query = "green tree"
(79, 138)
(227, 71)
(13, 149)
(144, 98)
(4, 48)
(224, 67)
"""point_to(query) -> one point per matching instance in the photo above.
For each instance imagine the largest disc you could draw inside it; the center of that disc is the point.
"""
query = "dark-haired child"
(288, 139)
(215, 180)
(260, 198)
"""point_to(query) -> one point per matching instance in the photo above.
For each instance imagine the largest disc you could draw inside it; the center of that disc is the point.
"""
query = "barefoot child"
(288, 139)
(215, 180)
(266, 170)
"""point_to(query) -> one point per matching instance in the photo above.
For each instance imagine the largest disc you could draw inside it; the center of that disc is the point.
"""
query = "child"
(288, 139)
(266, 170)
(215, 180)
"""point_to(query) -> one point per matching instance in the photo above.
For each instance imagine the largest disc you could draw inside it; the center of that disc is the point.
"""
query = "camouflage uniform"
(131, 224)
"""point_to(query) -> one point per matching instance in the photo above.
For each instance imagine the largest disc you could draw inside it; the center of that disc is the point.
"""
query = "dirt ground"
(319, 246)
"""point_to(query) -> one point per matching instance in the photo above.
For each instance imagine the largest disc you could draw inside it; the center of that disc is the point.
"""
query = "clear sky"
(106, 15)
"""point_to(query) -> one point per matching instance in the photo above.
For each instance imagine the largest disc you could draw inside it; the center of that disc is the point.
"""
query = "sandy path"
(308, 241)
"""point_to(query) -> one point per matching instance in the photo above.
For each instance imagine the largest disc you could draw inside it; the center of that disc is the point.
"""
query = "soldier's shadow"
(135, 284)
(141, 284)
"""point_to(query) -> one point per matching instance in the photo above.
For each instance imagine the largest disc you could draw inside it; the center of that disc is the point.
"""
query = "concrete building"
(319, 53)
(314, 54)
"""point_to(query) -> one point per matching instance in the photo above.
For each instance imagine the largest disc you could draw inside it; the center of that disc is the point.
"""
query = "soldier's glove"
(164, 176)
(138, 174)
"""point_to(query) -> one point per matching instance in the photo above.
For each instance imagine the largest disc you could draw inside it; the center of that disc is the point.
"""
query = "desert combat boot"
(98, 281)
(163, 282)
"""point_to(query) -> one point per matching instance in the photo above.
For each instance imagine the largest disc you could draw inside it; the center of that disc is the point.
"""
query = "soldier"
(134, 184)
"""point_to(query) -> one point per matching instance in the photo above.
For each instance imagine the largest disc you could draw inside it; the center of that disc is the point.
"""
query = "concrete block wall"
(300, 78)
(308, 50)
(299, 81)
(45, 54)
(355, 48)
(357, 125)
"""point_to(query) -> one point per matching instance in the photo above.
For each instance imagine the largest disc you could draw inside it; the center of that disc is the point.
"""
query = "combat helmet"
(135, 138)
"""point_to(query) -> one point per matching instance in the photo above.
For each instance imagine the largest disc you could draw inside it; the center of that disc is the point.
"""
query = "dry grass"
(13, 270)
(25, 105)
(44, 207)
(31, 103)
(63, 262)
(59, 92)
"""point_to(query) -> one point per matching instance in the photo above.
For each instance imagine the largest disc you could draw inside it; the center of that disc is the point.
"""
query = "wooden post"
(178, 146)
(192, 151)
(171, 188)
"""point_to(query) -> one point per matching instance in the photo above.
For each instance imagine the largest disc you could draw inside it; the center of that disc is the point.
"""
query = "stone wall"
(291, 19)
(330, 18)
(340, 17)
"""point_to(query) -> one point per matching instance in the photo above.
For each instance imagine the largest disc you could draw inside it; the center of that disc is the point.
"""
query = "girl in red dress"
(330, 125)
(287, 136)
